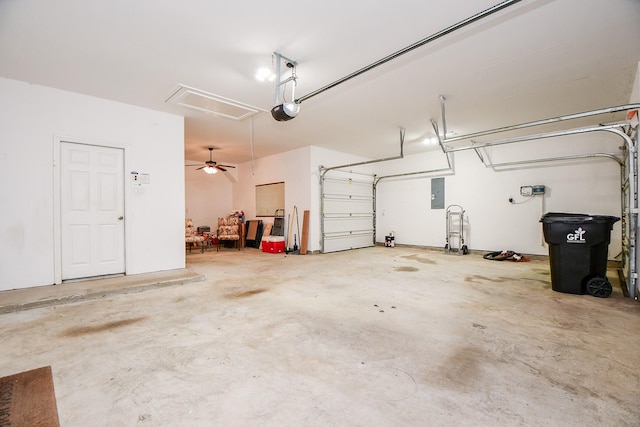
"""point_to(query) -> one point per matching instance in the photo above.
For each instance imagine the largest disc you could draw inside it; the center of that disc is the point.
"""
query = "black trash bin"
(578, 252)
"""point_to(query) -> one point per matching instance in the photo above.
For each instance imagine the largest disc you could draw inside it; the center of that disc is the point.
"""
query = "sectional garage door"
(347, 211)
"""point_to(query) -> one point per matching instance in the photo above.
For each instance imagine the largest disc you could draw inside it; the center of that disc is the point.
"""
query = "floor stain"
(542, 271)
(462, 369)
(407, 269)
(419, 259)
(546, 283)
(571, 386)
(245, 294)
(88, 330)
(477, 279)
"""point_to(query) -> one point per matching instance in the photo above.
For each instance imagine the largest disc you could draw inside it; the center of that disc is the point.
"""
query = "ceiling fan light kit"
(210, 167)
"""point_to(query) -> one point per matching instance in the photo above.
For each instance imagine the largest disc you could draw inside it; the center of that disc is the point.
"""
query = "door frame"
(57, 199)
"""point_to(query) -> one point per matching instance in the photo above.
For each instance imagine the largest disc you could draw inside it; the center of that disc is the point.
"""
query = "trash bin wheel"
(465, 250)
(599, 287)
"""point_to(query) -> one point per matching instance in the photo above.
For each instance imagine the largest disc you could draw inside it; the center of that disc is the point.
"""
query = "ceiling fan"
(212, 167)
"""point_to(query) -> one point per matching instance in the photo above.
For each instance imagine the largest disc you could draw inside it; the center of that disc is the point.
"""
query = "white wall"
(32, 118)
(208, 197)
(591, 186)
(298, 169)
(635, 92)
(291, 167)
(493, 223)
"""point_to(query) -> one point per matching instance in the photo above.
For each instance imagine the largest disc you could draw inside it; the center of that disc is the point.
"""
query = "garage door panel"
(344, 189)
(347, 211)
(348, 207)
(346, 225)
(335, 243)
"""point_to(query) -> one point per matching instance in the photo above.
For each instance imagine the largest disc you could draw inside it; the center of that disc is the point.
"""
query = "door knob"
(120, 218)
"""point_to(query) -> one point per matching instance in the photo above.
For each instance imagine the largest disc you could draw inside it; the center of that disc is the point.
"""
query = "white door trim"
(57, 202)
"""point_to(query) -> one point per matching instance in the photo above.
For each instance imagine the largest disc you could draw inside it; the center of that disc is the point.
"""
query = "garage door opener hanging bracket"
(283, 111)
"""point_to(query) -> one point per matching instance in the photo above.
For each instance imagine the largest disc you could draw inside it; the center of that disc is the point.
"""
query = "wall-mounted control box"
(538, 190)
(532, 190)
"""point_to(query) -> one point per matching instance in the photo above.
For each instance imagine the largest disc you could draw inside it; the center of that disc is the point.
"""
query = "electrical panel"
(437, 193)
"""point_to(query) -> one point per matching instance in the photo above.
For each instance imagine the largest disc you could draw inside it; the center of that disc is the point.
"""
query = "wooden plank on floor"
(304, 240)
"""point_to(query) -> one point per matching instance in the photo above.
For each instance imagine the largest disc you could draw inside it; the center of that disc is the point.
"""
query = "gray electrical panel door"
(437, 193)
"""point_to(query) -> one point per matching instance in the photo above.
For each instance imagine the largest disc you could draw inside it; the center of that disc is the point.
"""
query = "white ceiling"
(533, 60)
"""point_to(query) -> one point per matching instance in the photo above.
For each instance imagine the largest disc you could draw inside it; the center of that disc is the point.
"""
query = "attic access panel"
(210, 103)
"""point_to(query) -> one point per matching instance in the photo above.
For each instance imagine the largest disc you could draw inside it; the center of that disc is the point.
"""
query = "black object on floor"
(578, 252)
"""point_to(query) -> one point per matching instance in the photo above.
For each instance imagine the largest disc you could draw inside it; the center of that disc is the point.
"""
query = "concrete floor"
(372, 337)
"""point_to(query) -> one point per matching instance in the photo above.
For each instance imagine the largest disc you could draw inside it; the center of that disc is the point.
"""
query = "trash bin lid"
(575, 218)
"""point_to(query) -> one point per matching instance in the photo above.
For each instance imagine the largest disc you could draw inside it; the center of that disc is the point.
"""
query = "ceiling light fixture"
(210, 170)
(265, 74)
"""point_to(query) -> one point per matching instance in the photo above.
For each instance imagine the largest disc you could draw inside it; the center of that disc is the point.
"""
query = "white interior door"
(91, 210)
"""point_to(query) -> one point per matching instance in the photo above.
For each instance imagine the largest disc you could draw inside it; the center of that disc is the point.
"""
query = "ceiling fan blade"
(219, 167)
(202, 167)
(195, 165)
(228, 166)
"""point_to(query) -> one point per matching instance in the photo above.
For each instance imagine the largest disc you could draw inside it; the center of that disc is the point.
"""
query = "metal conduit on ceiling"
(461, 24)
